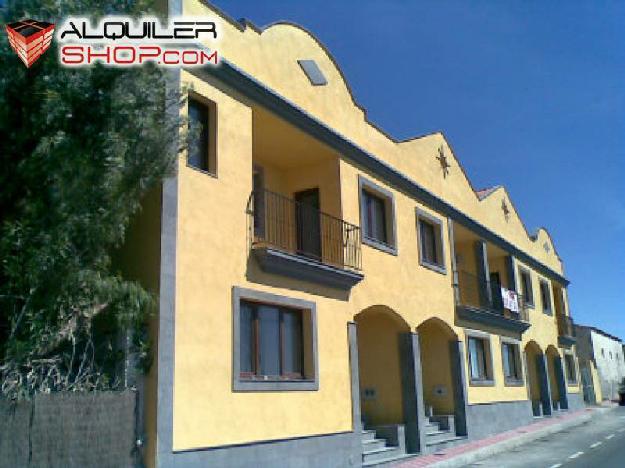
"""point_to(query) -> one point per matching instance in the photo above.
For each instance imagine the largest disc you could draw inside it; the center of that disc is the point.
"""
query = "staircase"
(440, 433)
(383, 445)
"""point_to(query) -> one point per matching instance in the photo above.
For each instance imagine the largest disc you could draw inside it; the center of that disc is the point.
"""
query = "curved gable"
(271, 55)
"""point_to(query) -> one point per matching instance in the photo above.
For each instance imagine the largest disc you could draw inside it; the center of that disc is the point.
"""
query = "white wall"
(611, 370)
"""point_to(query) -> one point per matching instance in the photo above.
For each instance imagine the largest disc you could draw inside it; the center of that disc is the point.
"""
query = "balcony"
(297, 240)
(566, 330)
(487, 303)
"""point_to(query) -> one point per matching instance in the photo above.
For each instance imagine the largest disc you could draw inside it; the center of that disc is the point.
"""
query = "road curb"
(498, 447)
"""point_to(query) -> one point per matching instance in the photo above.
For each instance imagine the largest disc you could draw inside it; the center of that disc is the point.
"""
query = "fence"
(283, 223)
(69, 430)
(475, 292)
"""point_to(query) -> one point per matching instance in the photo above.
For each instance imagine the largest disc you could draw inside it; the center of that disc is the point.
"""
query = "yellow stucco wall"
(213, 252)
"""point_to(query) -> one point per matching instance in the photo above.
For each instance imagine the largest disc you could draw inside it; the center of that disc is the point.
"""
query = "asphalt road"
(598, 443)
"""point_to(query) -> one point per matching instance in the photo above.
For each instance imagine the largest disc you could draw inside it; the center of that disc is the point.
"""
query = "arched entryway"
(557, 384)
(379, 365)
(442, 382)
(538, 383)
(436, 338)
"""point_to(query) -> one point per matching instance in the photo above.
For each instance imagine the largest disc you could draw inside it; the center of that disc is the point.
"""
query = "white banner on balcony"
(510, 300)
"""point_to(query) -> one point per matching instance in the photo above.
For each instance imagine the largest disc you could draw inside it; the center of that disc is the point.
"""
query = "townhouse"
(329, 295)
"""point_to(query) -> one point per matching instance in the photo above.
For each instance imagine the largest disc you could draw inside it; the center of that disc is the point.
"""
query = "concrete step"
(385, 461)
(376, 455)
(432, 427)
(433, 447)
(438, 437)
(372, 444)
(445, 421)
(368, 435)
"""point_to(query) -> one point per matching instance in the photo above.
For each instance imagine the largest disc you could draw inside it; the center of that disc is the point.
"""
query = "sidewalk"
(479, 449)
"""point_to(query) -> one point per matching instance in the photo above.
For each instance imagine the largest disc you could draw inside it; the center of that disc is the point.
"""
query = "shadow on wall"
(254, 274)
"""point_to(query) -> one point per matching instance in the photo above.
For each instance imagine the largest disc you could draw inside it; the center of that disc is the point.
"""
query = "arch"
(438, 361)
(557, 384)
(441, 324)
(380, 329)
(533, 355)
(380, 309)
(534, 347)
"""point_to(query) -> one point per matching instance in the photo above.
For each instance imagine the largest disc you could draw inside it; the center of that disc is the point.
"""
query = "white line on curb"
(575, 455)
(596, 444)
(609, 437)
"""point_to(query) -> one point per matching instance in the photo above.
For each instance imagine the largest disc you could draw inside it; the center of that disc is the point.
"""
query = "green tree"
(78, 150)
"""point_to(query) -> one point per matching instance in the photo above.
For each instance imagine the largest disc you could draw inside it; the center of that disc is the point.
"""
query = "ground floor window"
(480, 360)
(271, 342)
(571, 372)
(274, 342)
(512, 368)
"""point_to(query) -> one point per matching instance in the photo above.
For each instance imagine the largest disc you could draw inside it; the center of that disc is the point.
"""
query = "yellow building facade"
(328, 295)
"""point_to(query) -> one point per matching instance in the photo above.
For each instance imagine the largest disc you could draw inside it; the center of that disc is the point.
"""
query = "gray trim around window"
(438, 224)
(549, 309)
(213, 122)
(508, 382)
(489, 381)
(522, 271)
(243, 385)
(391, 224)
(575, 369)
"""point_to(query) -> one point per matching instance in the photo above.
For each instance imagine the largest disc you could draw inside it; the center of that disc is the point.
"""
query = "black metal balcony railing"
(474, 292)
(566, 326)
(282, 223)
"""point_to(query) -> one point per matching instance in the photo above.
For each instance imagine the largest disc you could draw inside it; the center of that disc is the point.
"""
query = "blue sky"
(531, 95)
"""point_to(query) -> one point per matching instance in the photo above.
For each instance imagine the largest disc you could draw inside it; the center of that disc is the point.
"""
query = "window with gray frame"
(479, 360)
(571, 372)
(272, 345)
(545, 296)
(512, 366)
(526, 286)
(274, 342)
(431, 253)
(202, 144)
(377, 216)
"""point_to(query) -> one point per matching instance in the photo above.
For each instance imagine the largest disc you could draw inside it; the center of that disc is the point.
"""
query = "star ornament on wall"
(505, 209)
(442, 159)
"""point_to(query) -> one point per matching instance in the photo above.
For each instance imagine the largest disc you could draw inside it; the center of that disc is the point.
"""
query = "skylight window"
(313, 72)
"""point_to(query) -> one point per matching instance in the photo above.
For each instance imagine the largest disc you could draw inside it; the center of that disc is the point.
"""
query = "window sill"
(482, 383)
(257, 385)
(548, 312)
(376, 244)
(202, 171)
(514, 383)
(434, 267)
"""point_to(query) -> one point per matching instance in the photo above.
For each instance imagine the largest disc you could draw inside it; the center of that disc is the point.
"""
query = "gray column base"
(331, 451)
(487, 419)
(576, 401)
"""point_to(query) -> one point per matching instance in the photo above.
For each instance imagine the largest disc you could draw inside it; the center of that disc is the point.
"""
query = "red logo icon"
(29, 39)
